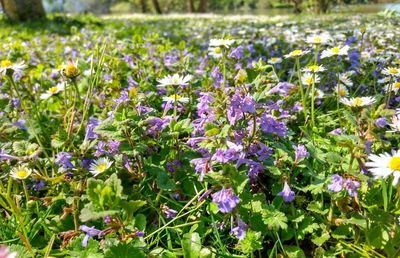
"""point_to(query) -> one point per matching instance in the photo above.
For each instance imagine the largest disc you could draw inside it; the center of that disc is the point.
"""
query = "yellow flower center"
(317, 40)
(357, 102)
(5, 63)
(313, 68)
(335, 50)
(297, 52)
(393, 71)
(308, 80)
(53, 90)
(342, 92)
(71, 70)
(396, 85)
(217, 50)
(394, 163)
(274, 59)
(22, 173)
(175, 97)
(102, 167)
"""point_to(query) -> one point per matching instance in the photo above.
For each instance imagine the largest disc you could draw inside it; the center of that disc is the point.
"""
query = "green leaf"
(124, 251)
(273, 218)
(132, 206)
(320, 240)
(293, 252)
(251, 243)
(90, 251)
(191, 245)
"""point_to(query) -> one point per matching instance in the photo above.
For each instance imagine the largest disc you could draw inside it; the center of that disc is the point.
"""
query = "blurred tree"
(143, 5)
(191, 6)
(22, 10)
(157, 6)
(203, 6)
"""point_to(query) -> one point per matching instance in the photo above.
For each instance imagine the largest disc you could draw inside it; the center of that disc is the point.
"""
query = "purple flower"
(287, 193)
(90, 232)
(202, 166)
(337, 183)
(90, 134)
(337, 131)
(168, 212)
(351, 186)
(107, 219)
(64, 159)
(240, 230)
(38, 185)
(217, 75)
(236, 53)
(140, 233)
(368, 145)
(300, 152)
(225, 199)
(21, 124)
(269, 124)
(248, 104)
(381, 122)
(16, 103)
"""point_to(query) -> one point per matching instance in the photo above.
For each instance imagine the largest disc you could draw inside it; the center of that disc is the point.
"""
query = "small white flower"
(384, 165)
(342, 91)
(314, 69)
(335, 51)
(174, 80)
(318, 94)
(395, 125)
(215, 52)
(358, 101)
(309, 78)
(275, 60)
(53, 91)
(100, 166)
(297, 53)
(221, 42)
(391, 71)
(393, 87)
(344, 79)
(21, 172)
(318, 39)
(177, 98)
(8, 65)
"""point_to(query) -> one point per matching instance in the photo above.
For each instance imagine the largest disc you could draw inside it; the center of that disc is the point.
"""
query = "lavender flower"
(300, 152)
(90, 232)
(337, 183)
(287, 193)
(240, 230)
(168, 212)
(351, 186)
(226, 200)
(64, 159)
(381, 122)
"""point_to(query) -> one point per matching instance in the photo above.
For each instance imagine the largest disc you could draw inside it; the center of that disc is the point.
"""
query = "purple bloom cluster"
(339, 183)
(225, 199)
(64, 159)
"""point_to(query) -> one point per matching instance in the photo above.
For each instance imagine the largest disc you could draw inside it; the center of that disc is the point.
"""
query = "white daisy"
(53, 91)
(393, 87)
(297, 53)
(344, 79)
(395, 125)
(335, 51)
(221, 42)
(384, 165)
(391, 71)
(309, 78)
(358, 101)
(318, 39)
(318, 94)
(215, 52)
(314, 69)
(174, 80)
(342, 91)
(20, 172)
(275, 60)
(8, 65)
(100, 166)
(177, 98)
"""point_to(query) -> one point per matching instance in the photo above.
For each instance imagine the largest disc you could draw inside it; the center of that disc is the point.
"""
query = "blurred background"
(263, 7)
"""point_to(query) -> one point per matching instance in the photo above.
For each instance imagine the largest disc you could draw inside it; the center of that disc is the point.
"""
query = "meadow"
(200, 136)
